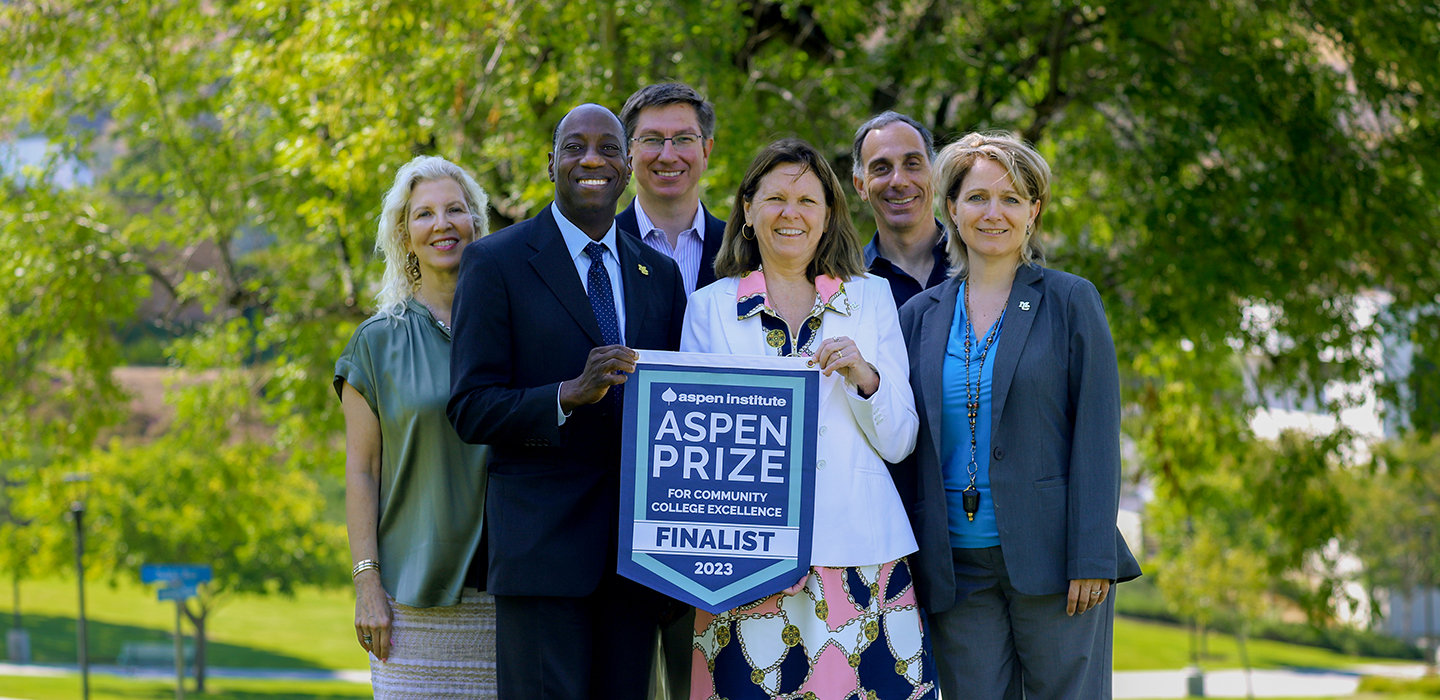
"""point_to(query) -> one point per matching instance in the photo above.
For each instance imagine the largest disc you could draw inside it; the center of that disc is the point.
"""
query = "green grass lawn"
(312, 630)
(111, 688)
(1142, 645)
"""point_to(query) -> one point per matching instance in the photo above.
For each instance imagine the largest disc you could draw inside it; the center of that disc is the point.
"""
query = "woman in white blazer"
(793, 283)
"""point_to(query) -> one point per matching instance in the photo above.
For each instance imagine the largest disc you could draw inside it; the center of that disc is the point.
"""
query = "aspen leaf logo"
(668, 396)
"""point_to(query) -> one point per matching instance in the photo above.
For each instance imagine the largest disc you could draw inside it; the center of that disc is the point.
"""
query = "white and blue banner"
(717, 490)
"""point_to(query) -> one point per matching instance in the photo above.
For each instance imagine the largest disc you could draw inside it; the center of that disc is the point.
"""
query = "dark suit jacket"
(1055, 438)
(714, 233)
(523, 324)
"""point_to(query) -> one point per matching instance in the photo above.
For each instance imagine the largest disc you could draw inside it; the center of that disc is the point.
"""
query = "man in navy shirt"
(891, 157)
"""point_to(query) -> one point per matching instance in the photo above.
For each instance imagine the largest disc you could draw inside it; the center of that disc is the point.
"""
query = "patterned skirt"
(852, 633)
(442, 652)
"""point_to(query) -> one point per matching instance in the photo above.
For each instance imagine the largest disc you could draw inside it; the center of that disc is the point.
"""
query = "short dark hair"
(661, 95)
(555, 133)
(838, 254)
(881, 121)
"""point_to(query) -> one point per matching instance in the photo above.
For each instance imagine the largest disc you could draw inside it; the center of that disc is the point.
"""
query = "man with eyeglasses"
(671, 130)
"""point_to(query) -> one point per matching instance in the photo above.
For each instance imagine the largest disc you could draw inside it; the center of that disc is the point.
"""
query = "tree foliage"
(1397, 502)
(1230, 174)
(181, 499)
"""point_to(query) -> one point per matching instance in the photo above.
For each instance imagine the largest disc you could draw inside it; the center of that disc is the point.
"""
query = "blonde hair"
(392, 240)
(1028, 171)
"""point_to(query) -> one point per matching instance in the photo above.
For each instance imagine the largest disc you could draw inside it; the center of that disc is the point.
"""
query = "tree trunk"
(1194, 642)
(1240, 636)
(198, 620)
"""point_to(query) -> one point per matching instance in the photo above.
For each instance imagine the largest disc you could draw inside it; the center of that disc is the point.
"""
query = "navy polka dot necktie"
(602, 302)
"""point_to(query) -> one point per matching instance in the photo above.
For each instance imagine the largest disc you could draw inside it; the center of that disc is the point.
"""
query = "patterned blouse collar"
(750, 300)
(750, 297)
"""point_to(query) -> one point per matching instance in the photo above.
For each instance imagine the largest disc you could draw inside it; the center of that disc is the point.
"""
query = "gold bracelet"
(364, 565)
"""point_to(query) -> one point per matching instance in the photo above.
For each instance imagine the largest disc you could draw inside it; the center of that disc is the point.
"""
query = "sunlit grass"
(113, 688)
(1144, 646)
(312, 630)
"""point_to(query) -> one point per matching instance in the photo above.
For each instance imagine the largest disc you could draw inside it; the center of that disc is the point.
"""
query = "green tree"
(1397, 501)
(1230, 175)
(187, 500)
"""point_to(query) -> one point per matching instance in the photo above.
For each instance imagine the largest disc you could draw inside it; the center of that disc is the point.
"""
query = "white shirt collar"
(576, 240)
(643, 222)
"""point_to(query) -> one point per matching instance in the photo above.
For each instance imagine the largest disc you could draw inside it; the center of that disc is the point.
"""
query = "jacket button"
(822, 430)
(998, 454)
(820, 464)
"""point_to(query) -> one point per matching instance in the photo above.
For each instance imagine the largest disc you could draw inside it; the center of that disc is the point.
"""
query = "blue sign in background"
(175, 573)
(718, 485)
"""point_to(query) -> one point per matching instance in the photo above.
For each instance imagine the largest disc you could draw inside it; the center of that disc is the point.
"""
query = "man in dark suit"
(672, 131)
(546, 315)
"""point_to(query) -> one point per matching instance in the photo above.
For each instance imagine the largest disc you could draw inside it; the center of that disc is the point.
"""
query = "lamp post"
(17, 640)
(80, 488)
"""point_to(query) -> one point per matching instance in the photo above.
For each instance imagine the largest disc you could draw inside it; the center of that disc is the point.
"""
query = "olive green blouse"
(432, 485)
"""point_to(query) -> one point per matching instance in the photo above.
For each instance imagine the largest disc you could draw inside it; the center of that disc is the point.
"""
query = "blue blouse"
(955, 432)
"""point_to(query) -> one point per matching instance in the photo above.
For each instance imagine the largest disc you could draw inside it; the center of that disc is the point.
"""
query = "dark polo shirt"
(902, 285)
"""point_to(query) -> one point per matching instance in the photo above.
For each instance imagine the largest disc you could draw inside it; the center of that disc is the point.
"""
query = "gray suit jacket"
(1055, 438)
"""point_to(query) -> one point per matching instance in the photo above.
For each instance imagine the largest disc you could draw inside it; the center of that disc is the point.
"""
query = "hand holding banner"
(718, 475)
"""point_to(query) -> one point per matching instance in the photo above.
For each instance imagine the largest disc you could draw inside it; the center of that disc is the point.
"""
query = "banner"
(717, 488)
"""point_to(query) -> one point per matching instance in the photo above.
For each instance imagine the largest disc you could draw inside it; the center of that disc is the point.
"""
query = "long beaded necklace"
(970, 497)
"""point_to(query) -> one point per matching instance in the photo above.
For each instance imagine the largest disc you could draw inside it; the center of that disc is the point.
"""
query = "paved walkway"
(1269, 683)
(1129, 685)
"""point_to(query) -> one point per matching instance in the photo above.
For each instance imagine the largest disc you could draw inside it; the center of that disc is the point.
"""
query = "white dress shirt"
(689, 247)
(575, 241)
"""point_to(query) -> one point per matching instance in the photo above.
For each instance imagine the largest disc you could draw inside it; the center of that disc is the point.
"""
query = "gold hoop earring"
(412, 268)
(750, 237)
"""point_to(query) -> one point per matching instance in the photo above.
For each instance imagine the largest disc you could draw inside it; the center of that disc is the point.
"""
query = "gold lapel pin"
(644, 270)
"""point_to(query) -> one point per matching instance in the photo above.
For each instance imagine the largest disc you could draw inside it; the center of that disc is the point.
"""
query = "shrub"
(1429, 685)
(1142, 599)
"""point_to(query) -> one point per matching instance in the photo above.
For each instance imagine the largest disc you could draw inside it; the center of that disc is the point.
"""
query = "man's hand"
(605, 367)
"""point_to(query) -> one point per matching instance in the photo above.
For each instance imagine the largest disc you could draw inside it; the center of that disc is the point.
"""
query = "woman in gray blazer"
(1014, 484)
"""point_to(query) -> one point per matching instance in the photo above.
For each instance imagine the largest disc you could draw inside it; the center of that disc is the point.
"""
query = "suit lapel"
(934, 335)
(714, 236)
(556, 268)
(1018, 320)
(628, 221)
(638, 288)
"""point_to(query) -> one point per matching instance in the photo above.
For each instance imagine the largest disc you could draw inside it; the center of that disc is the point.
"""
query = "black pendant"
(970, 499)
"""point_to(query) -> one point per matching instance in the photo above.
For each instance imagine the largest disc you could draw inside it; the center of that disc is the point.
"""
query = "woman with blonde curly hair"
(415, 492)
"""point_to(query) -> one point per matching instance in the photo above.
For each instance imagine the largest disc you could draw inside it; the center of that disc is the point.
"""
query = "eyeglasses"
(655, 144)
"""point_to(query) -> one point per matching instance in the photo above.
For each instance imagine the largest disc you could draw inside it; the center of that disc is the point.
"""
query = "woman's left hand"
(840, 353)
(799, 585)
(1086, 593)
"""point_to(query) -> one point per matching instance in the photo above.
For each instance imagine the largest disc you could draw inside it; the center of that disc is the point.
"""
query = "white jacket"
(859, 519)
